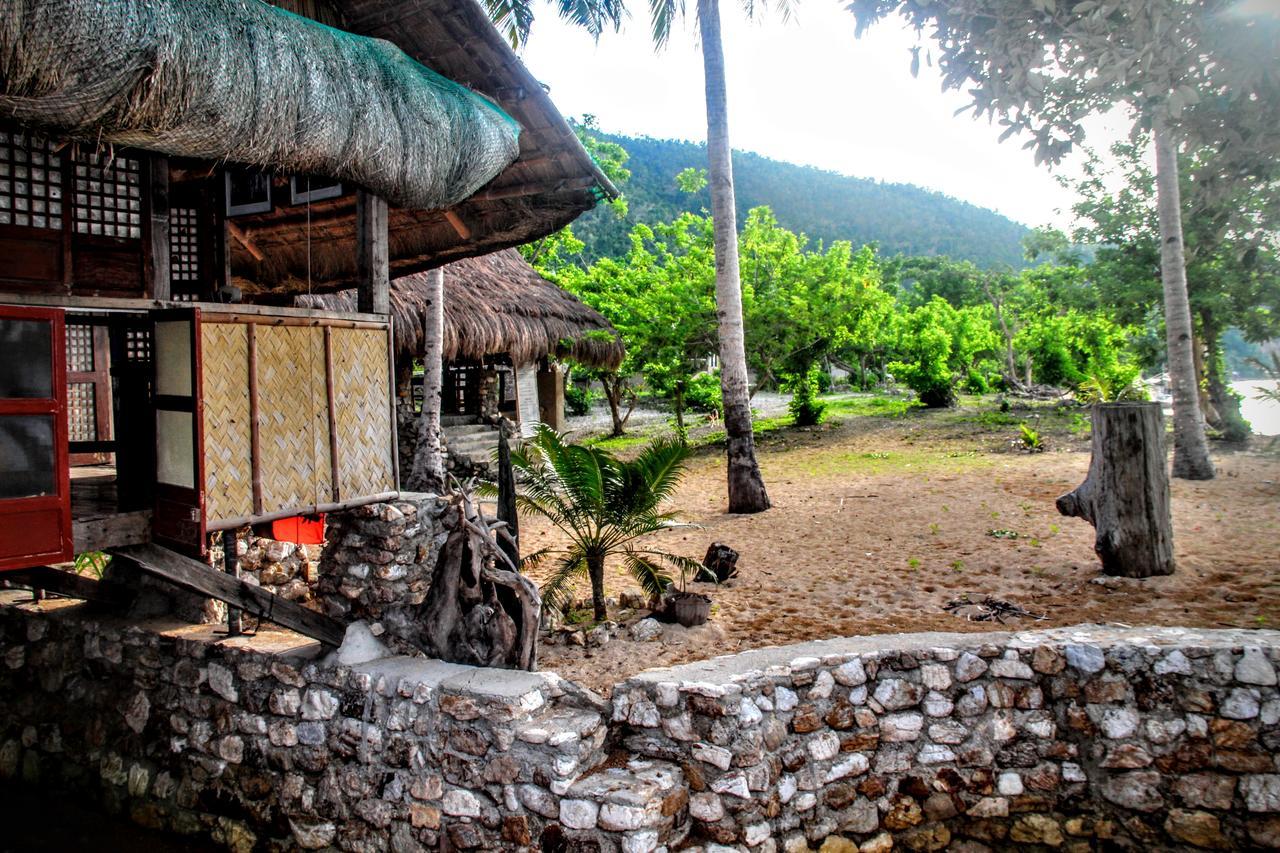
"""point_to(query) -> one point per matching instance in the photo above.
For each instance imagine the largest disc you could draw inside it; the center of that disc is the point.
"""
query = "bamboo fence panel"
(293, 432)
(362, 395)
(228, 463)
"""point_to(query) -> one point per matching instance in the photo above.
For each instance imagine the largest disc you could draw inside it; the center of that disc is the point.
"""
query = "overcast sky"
(806, 92)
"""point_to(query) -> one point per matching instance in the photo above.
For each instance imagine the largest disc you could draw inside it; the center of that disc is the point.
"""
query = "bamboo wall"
(297, 418)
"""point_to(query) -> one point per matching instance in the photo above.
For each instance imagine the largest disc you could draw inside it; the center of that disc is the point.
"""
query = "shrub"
(702, 393)
(806, 409)
(578, 399)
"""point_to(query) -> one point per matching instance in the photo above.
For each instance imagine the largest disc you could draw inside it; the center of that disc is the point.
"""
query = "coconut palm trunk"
(746, 486)
(428, 458)
(1190, 448)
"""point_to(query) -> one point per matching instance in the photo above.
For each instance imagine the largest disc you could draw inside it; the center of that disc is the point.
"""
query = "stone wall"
(275, 748)
(1070, 738)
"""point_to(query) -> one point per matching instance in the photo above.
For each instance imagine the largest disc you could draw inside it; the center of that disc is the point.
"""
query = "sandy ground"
(878, 523)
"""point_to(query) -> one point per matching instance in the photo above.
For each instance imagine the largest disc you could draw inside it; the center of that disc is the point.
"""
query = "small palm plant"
(603, 504)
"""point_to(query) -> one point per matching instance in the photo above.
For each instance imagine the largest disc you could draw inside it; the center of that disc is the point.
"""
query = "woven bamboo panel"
(362, 398)
(293, 426)
(227, 458)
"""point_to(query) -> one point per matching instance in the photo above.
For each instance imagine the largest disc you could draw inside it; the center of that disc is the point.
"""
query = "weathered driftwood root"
(475, 612)
(1126, 493)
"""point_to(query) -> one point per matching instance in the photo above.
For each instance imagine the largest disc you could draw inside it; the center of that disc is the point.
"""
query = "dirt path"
(878, 523)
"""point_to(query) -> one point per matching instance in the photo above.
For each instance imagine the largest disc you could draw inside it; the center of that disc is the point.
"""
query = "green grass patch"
(615, 443)
(873, 405)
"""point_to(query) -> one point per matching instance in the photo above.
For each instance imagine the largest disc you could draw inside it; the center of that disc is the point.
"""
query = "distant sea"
(1264, 415)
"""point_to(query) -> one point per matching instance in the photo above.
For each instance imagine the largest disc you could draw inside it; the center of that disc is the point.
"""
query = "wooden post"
(231, 565)
(1126, 493)
(160, 270)
(373, 268)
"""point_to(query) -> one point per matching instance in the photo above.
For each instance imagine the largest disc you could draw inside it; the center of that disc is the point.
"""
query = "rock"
(1254, 668)
(836, 844)
(903, 812)
(1115, 723)
(882, 843)
(1174, 663)
(824, 746)
(1010, 666)
(462, 803)
(1199, 829)
(706, 807)
(645, 630)
(578, 814)
(851, 674)
(935, 676)
(1036, 829)
(1139, 790)
(989, 807)
(714, 755)
(1047, 661)
(1087, 659)
(311, 835)
(1009, 784)
(1241, 704)
(901, 727)
(894, 694)
(969, 667)
(1261, 792)
(1206, 790)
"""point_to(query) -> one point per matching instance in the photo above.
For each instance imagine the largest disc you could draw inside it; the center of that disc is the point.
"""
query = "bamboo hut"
(505, 329)
(172, 174)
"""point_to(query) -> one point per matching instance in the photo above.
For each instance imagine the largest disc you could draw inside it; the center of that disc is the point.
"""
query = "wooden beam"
(373, 263)
(242, 237)
(160, 267)
(111, 531)
(459, 227)
(254, 601)
(523, 190)
(63, 582)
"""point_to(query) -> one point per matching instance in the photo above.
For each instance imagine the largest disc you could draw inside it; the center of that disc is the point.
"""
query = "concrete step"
(458, 420)
(467, 429)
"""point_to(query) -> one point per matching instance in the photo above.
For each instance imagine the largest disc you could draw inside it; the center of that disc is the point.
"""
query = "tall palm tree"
(428, 460)
(603, 505)
(746, 485)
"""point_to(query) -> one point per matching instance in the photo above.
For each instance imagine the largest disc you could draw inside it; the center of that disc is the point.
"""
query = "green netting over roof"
(244, 81)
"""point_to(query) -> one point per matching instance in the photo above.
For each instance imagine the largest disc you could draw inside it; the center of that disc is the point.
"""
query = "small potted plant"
(690, 609)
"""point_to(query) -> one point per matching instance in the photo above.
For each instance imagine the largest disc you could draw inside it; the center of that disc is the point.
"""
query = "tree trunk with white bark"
(428, 459)
(1190, 447)
(746, 486)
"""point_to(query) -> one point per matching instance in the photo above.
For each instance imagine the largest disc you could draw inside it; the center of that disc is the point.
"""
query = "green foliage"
(1115, 387)
(602, 505)
(702, 393)
(578, 398)
(805, 407)
(829, 208)
(938, 342)
(1030, 438)
(92, 563)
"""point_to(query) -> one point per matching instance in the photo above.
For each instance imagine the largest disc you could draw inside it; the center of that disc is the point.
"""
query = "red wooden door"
(35, 488)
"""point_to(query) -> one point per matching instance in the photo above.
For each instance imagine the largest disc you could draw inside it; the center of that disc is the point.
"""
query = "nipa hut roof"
(366, 99)
(496, 304)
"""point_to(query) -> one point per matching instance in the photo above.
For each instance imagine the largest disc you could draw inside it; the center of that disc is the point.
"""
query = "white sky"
(805, 92)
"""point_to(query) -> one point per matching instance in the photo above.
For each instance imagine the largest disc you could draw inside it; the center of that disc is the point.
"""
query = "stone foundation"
(1067, 739)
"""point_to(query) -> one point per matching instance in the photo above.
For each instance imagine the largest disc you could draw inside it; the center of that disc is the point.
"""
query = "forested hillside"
(903, 219)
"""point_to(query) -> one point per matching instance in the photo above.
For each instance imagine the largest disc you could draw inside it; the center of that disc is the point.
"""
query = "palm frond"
(662, 16)
(557, 592)
(531, 562)
(647, 573)
(687, 566)
(512, 18)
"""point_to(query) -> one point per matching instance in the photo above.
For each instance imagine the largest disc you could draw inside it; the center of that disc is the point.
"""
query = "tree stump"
(477, 612)
(721, 561)
(1126, 493)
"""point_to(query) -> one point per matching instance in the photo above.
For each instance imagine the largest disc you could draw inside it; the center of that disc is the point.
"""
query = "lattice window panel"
(30, 182)
(108, 196)
(82, 412)
(79, 349)
(184, 254)
(137, 346)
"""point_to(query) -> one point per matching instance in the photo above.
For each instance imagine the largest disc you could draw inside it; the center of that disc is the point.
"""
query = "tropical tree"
(745, 484)
(428, 457)
(1185, 69)
(602, 505)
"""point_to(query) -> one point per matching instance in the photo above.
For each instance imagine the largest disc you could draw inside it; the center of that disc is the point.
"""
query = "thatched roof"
(496, 304)
(253, 84)
(269, 87)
